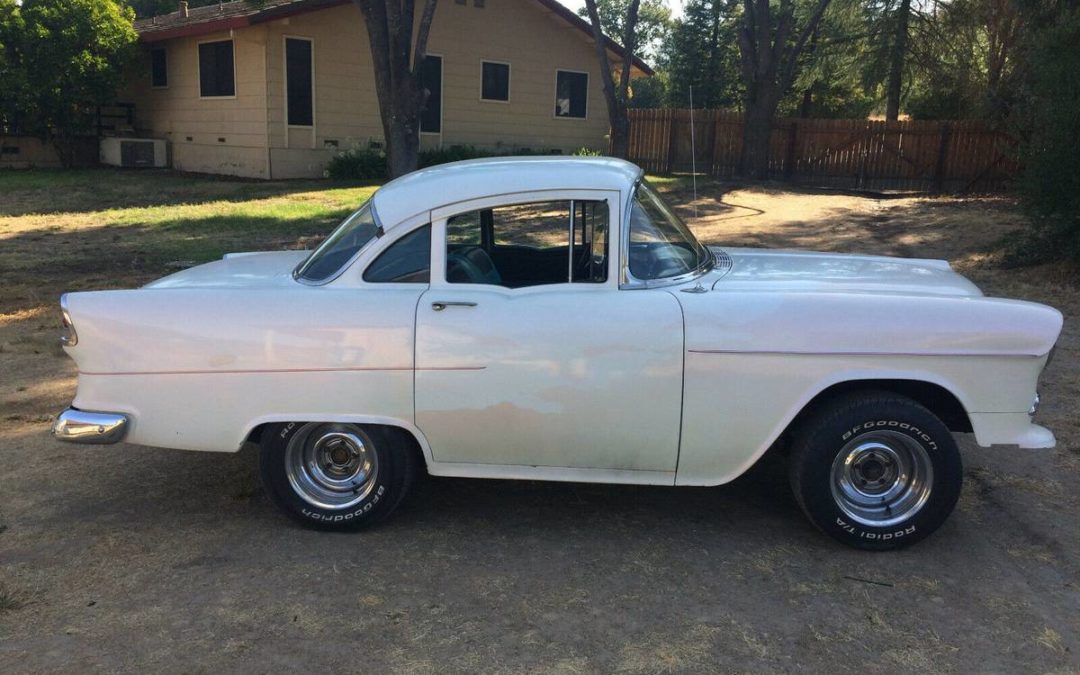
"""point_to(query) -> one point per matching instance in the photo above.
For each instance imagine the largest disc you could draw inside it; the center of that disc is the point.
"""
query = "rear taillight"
(69, 338)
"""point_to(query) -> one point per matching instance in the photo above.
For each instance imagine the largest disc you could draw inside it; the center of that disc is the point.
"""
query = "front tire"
(875, 470)
(332, 476)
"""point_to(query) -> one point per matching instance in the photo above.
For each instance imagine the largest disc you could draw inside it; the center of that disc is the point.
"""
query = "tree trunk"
(397, 76)
(896, 62)
(767, 60)
(808, 94)
(401, 126)
(807, 104)
(402, 145)
(616, 94)
(620, 133)
(757, 128)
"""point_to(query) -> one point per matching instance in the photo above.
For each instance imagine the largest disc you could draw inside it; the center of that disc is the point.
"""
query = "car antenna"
(693, 150)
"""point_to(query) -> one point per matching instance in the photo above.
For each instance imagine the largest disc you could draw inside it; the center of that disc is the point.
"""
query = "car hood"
(763, 269)
(238, 270)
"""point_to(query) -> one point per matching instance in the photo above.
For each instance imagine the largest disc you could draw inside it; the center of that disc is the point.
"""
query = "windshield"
(661, 245)
(340, 247)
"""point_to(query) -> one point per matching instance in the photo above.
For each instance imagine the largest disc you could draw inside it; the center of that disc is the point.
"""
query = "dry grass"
(188, 569)
(9, 600)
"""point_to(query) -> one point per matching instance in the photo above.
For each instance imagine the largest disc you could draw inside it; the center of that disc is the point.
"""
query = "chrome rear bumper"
(98, 428)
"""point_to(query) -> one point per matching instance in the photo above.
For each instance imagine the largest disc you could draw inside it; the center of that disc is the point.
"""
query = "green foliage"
(703, 54)
(146, 8)
(831, 82)
(650, 92)
(457, 153)
(653, 25)
(358, 164)
(1050, 183)
(370, 163)
(15, 88)
(587, 152)
(65, 57)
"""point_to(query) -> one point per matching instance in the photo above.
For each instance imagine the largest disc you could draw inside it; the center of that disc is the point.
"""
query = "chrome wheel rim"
(331, 466)
(882, 478)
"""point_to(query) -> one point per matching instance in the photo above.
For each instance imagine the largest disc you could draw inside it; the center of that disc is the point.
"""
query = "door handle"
(440, 306)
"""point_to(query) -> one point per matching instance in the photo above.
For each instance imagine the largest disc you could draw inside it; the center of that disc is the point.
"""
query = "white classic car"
(553, 319)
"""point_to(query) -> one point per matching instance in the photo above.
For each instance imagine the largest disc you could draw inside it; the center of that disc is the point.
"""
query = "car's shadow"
(150, 489)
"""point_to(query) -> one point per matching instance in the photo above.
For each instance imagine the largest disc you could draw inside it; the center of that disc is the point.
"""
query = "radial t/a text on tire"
(334, 476)
(875, 470)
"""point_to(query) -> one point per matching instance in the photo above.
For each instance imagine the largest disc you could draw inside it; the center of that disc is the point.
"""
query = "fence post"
(789, 158)
(943, 148)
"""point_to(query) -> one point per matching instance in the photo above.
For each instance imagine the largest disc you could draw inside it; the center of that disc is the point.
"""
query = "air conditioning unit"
(133, 152)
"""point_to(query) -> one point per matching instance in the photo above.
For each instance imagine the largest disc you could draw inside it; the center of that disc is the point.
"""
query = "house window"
(431, 80)
(216, 76)
(159, 68)
(494, 81)
(571, 94)
(298, 82)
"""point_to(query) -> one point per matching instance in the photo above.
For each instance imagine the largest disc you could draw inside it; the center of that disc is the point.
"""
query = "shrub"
(1050, 154)
(370, 163)
(456, 153)
(357, 164)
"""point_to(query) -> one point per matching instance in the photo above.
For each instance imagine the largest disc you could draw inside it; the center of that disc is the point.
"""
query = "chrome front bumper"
(98, 428)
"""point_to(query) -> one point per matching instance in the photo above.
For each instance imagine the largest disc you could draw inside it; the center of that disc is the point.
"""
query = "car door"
(527, 352)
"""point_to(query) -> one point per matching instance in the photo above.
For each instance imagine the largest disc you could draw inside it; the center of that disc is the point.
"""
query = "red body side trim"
(277, 370)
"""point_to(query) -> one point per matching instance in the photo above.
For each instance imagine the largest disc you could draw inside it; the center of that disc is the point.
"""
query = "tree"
(15, 85)
(653, 24)
(616, 96)
(897, 53)
(147, 8)
(769, 49)
(1048, 122)
(70, 57)
(649, 92)
(832, 78)
(703, 55)
(398, 56)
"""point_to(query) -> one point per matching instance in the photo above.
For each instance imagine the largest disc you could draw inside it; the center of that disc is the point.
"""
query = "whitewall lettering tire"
(333, 476)
(875, 470)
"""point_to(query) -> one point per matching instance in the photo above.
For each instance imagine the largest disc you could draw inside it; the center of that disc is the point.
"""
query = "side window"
(463, 229)
(408, 260)
(590, 241)
(530, 244)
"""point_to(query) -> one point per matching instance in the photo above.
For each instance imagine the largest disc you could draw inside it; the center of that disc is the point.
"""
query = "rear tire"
(875, 470)
(332, 476)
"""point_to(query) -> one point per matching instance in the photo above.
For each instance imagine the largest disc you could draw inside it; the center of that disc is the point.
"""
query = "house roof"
(240, 13)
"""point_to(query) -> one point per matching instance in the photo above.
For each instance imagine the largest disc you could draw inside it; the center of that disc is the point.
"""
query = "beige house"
(274, 90)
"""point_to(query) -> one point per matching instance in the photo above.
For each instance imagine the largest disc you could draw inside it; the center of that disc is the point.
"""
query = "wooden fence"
(928, 156)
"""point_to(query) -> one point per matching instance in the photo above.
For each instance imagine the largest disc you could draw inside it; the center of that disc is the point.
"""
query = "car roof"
(428, 189)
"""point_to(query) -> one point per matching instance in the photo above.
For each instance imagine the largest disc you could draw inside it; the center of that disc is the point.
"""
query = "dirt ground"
(131, 559)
